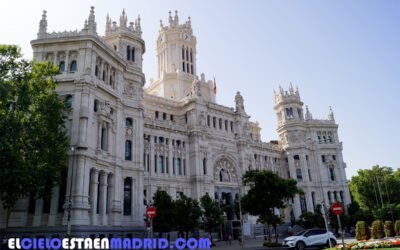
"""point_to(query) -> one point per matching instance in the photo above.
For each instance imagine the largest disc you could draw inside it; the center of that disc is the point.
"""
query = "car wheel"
(333, 243)
(300, 245)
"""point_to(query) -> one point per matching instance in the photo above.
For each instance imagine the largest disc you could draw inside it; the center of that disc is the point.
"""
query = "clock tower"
(176, 55)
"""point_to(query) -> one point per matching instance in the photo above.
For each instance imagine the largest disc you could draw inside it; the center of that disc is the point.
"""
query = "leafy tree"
(33, 141)
(212, 215)
(311, 220)
(188, 213)
(372, 187)
(267, 192)
(164, 220)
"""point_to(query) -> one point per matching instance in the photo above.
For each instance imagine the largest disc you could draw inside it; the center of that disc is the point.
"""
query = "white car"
(310, 238)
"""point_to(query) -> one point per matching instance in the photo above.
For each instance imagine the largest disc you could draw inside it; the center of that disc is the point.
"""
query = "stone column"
(37, 217)
(94, 185)
(110, 202)
(103, 197)
(54, 205)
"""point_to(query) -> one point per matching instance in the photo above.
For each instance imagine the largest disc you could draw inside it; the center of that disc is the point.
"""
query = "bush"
(397, 227)
(361, 230)
(377, 229)
(271, 244)
(389, 228)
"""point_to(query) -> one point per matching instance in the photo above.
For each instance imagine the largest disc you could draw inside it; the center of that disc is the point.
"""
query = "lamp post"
(241, 220)
(70, 193)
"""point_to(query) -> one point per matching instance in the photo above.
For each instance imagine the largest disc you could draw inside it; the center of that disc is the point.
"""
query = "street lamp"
(70, 193)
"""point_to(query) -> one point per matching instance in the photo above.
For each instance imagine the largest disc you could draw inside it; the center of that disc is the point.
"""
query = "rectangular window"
(214, 122)
(173, 166)
(299, 174)
(309, 175)
(323, 158)
(204, 166)
(231, 126)
(166, 165)
(179, 165)
(208, 120)
(155, 163)
(161, 159)
(226, 125)
(104, 135)
(184, 167)
(171, 118)
(332, 173)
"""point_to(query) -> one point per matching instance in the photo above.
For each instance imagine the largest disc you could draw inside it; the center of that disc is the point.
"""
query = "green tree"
(372, 187)
(212, 214)
(33, 141)
(310, 220)
(188, 213)
(164, 221)
(267, 192)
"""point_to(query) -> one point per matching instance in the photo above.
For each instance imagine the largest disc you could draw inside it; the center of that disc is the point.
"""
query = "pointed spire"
(176, 18)
(291, 88)
(108, 24)
(123, 19)
(138, 26)
(161, 24)
(91, 23)
(189, 22)
(308, 115)
(297, 91)
(43, 25)
(331, 116)
(170, 19)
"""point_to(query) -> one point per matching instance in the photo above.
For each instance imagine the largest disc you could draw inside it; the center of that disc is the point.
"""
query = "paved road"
(252, 244)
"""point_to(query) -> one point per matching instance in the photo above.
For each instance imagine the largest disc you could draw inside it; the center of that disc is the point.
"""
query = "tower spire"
(91, 25)
(43, 25)
(331, 116)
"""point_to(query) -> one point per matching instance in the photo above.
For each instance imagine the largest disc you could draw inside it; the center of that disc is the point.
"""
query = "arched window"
(61, 66)
(104, 75)
(128, 196)
(128, 150)
(128, 53)
(187, 55)
(128, 122)
(183, 66)
(72, 66)
(191, 56)
(183, 53)
(68, 101)
(96, 71)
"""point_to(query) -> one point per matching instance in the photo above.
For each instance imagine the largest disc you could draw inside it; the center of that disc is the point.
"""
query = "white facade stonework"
(131, 140)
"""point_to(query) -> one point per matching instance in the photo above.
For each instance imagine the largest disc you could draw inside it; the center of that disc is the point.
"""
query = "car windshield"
(301, 233)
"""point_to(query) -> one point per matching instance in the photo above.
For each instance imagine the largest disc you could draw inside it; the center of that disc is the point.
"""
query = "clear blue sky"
(343, 54)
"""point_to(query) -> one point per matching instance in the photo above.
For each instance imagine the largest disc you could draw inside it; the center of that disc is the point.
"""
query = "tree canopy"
(376, 187)
(267, 192)
(33, 141)
(212, 215)
(164, 221)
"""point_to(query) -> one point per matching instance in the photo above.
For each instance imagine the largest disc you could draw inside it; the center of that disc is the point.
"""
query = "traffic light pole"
(341, 232)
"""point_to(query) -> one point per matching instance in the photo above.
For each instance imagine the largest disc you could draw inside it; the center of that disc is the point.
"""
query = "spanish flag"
(215, 87)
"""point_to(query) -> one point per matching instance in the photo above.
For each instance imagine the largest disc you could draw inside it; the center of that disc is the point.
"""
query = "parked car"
(310, 238)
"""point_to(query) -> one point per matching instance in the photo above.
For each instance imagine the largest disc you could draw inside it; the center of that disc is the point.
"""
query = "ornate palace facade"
(129, 139)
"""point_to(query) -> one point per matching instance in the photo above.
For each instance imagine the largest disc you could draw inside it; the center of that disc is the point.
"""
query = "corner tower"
(126, 40)
(176, 55)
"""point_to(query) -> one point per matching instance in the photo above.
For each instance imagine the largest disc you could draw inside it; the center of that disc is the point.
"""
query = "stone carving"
(129, 89)
(224, 171)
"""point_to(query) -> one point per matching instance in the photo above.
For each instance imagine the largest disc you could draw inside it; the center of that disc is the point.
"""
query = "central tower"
(176, 55)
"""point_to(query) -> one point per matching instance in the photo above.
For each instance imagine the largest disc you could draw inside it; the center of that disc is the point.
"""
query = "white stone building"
(130, 140)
